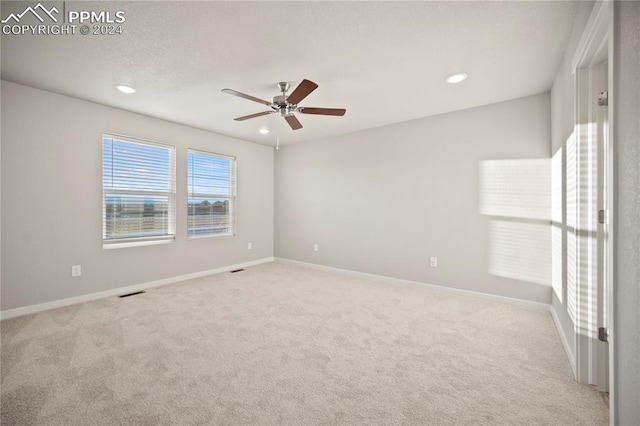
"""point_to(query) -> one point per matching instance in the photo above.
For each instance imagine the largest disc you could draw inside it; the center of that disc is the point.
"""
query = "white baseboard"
(25, 310)
(565, 342)
(31, 309)
(469, 293)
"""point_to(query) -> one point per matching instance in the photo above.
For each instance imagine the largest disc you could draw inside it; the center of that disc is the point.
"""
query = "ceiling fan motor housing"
(281, 105)
(280, 100)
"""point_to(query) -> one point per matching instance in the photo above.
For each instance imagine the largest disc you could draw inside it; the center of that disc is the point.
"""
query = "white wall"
(627, 144)
(384, 200)
(562, 125)
(562, 92)
(52, 200)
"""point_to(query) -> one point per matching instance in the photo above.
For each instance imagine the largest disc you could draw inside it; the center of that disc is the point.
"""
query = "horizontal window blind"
(138, 187)
(212, 194)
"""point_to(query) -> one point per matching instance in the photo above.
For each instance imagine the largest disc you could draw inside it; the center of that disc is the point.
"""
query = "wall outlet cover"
(76, 271)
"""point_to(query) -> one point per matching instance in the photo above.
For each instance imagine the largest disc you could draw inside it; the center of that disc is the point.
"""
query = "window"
(212, 194)
(138, 191)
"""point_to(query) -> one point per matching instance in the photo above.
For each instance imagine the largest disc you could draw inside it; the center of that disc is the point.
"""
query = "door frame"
(596, 44)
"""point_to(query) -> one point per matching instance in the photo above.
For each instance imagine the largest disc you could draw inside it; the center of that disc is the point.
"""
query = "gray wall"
(52, 202)
(627, 143)
(384, 200)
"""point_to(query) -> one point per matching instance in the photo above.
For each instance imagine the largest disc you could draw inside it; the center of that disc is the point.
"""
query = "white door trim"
(596, 39)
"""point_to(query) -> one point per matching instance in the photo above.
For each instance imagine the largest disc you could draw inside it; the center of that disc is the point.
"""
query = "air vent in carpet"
(131, 294)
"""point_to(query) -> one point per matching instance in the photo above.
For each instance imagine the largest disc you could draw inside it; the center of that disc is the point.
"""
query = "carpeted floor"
(285, 344)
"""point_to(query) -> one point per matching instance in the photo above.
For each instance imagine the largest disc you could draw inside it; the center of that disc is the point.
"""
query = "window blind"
(139, 190)
(212, 194)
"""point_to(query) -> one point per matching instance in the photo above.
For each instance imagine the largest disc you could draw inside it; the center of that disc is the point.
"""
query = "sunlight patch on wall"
(572, 278)
(520, 250)
(556, 225)
(571, 183)
(587, 182)
(515, 188)
(581, 229)
(587, 151)
(556, 261)
(587, 277)
(576, 228)
(517, 194)
(556, 187)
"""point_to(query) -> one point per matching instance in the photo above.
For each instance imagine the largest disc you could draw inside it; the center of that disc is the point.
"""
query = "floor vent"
(131, 294)
(237, 270)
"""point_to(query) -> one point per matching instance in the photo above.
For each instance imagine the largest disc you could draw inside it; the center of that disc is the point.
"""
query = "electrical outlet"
(76, 271)
(433, 261)
(315, 247)
(249, 246)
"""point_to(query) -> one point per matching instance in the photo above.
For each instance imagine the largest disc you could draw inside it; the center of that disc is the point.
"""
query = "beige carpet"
(282, 344)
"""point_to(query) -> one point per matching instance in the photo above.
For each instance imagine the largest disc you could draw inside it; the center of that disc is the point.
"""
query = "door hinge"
(603, 217)
(603, 336)
(603, 98)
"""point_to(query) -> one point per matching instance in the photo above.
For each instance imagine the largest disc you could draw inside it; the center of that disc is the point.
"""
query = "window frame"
(114, 243)
(232, 197)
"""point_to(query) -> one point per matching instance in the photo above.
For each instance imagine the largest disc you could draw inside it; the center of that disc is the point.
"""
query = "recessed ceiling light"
(125, 89)
(456, 78)
(264, 131)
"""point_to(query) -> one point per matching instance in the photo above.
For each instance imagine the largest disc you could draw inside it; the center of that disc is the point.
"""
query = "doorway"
(594, 181)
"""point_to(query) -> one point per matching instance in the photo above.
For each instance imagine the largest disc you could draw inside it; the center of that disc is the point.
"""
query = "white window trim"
(233, 198)
(117, 243)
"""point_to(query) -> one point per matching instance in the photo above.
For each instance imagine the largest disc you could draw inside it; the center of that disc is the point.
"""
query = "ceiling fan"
(286, 106)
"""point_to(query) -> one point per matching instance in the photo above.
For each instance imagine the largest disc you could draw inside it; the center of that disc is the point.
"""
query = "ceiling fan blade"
(323, 111)
(302, 91)
(293, 122)
(259, 114)
(242, 95)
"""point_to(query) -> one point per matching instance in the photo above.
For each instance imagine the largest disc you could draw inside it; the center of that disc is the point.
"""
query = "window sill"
(201, 237)
(111, 246)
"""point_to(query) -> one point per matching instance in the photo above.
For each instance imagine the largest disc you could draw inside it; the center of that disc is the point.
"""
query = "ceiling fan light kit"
(286, 106)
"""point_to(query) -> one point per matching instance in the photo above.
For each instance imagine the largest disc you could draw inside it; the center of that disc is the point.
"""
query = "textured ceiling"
(385, 62)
